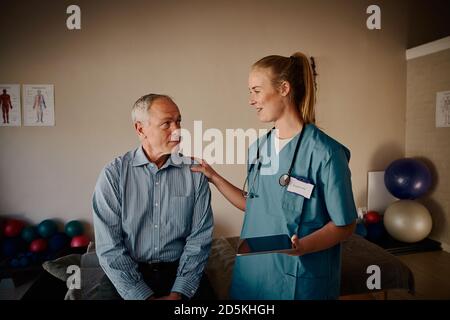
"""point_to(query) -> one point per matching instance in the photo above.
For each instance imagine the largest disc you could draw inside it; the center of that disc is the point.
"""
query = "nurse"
(305, 191)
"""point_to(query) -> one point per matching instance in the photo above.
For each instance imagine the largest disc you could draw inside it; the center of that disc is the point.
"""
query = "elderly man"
(152, 216)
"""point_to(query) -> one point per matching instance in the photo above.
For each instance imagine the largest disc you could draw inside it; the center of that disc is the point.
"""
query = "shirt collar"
(141, 159)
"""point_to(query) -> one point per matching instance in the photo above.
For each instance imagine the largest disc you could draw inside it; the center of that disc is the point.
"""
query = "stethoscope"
(284, 178)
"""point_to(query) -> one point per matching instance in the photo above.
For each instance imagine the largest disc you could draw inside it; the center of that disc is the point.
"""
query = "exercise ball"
(24, 261)
(10, 246)
(47, 228)
(13, 227)
(58, 241)
(29, 234)
(14, 263)
(407, 221)
(74, 228)
(372, 217)
(38, 245)
(33, 256)
(407, 178)
(80, 241)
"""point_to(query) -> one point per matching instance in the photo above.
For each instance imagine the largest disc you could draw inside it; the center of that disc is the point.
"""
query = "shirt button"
(156, 226)
(156, 204)
(156, 248)
(157, 182)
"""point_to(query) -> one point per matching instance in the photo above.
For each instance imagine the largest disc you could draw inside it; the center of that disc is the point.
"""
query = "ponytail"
(307, 104)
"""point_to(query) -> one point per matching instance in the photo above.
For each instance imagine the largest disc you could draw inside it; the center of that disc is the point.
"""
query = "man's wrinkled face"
(161, 133)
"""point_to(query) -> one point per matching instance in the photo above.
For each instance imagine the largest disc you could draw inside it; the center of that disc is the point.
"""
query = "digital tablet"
(280, 243)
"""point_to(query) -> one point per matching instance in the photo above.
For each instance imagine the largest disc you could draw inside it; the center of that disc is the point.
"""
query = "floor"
(431, 274)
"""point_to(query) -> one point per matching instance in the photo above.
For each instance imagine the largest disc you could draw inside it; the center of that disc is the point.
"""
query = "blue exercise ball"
(24, 262)
(14, 263)
(11, 246)
(58, 241)
(407, 178)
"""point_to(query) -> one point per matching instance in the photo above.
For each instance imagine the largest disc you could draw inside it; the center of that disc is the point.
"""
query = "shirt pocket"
(311, 210)
(292, 205)
(292, 201)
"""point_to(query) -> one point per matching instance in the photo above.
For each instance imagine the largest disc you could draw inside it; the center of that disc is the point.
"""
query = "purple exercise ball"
(407, 178)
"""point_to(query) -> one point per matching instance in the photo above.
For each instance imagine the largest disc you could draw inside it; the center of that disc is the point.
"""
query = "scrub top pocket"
(292, 205)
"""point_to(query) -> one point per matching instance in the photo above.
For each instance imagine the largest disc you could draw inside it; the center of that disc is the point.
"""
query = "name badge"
(300, 186)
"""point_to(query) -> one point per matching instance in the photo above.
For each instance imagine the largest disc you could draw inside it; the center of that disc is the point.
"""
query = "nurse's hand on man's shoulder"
(296, 246)
(204, 168)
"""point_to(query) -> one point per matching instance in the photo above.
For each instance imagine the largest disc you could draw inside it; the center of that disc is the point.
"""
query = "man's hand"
(171, 296)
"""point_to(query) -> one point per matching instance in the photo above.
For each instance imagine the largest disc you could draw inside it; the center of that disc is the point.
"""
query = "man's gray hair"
(140, 109)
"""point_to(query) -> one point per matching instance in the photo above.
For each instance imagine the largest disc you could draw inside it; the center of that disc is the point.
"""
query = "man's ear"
(285, 88)
(138, 127)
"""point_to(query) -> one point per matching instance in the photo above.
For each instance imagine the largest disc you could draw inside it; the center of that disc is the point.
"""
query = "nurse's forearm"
(229, 191)
(324, 238)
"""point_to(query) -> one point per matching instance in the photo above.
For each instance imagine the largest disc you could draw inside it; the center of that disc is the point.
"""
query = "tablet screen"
(280, 243)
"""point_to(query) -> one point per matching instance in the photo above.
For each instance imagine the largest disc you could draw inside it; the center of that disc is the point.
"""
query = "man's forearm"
(127, 279)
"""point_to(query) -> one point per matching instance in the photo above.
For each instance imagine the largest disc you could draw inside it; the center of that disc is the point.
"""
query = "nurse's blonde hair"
(300, 72)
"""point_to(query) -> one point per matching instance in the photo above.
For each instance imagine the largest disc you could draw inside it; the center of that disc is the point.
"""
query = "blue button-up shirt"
(145, 214)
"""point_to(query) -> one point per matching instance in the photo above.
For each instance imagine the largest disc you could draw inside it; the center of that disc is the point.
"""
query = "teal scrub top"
(324, 162)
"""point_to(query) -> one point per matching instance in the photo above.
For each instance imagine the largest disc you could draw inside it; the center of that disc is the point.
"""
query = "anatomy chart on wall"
(38, 105)
(10, 102)
(443, 109)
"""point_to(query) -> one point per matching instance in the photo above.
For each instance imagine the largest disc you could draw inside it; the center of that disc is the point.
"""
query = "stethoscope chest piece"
(284, 180)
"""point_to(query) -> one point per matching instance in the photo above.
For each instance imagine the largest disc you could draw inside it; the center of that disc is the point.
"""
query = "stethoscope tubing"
(284, 178)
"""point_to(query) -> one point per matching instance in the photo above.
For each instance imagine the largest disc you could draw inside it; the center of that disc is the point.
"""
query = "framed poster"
(38, 105)
(10, 102)
(443, 109)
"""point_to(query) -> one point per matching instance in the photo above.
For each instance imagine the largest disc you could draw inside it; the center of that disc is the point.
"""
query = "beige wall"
(199, 52)
(426, 76)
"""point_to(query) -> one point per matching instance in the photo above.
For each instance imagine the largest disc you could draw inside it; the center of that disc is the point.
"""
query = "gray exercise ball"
(407, 221)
